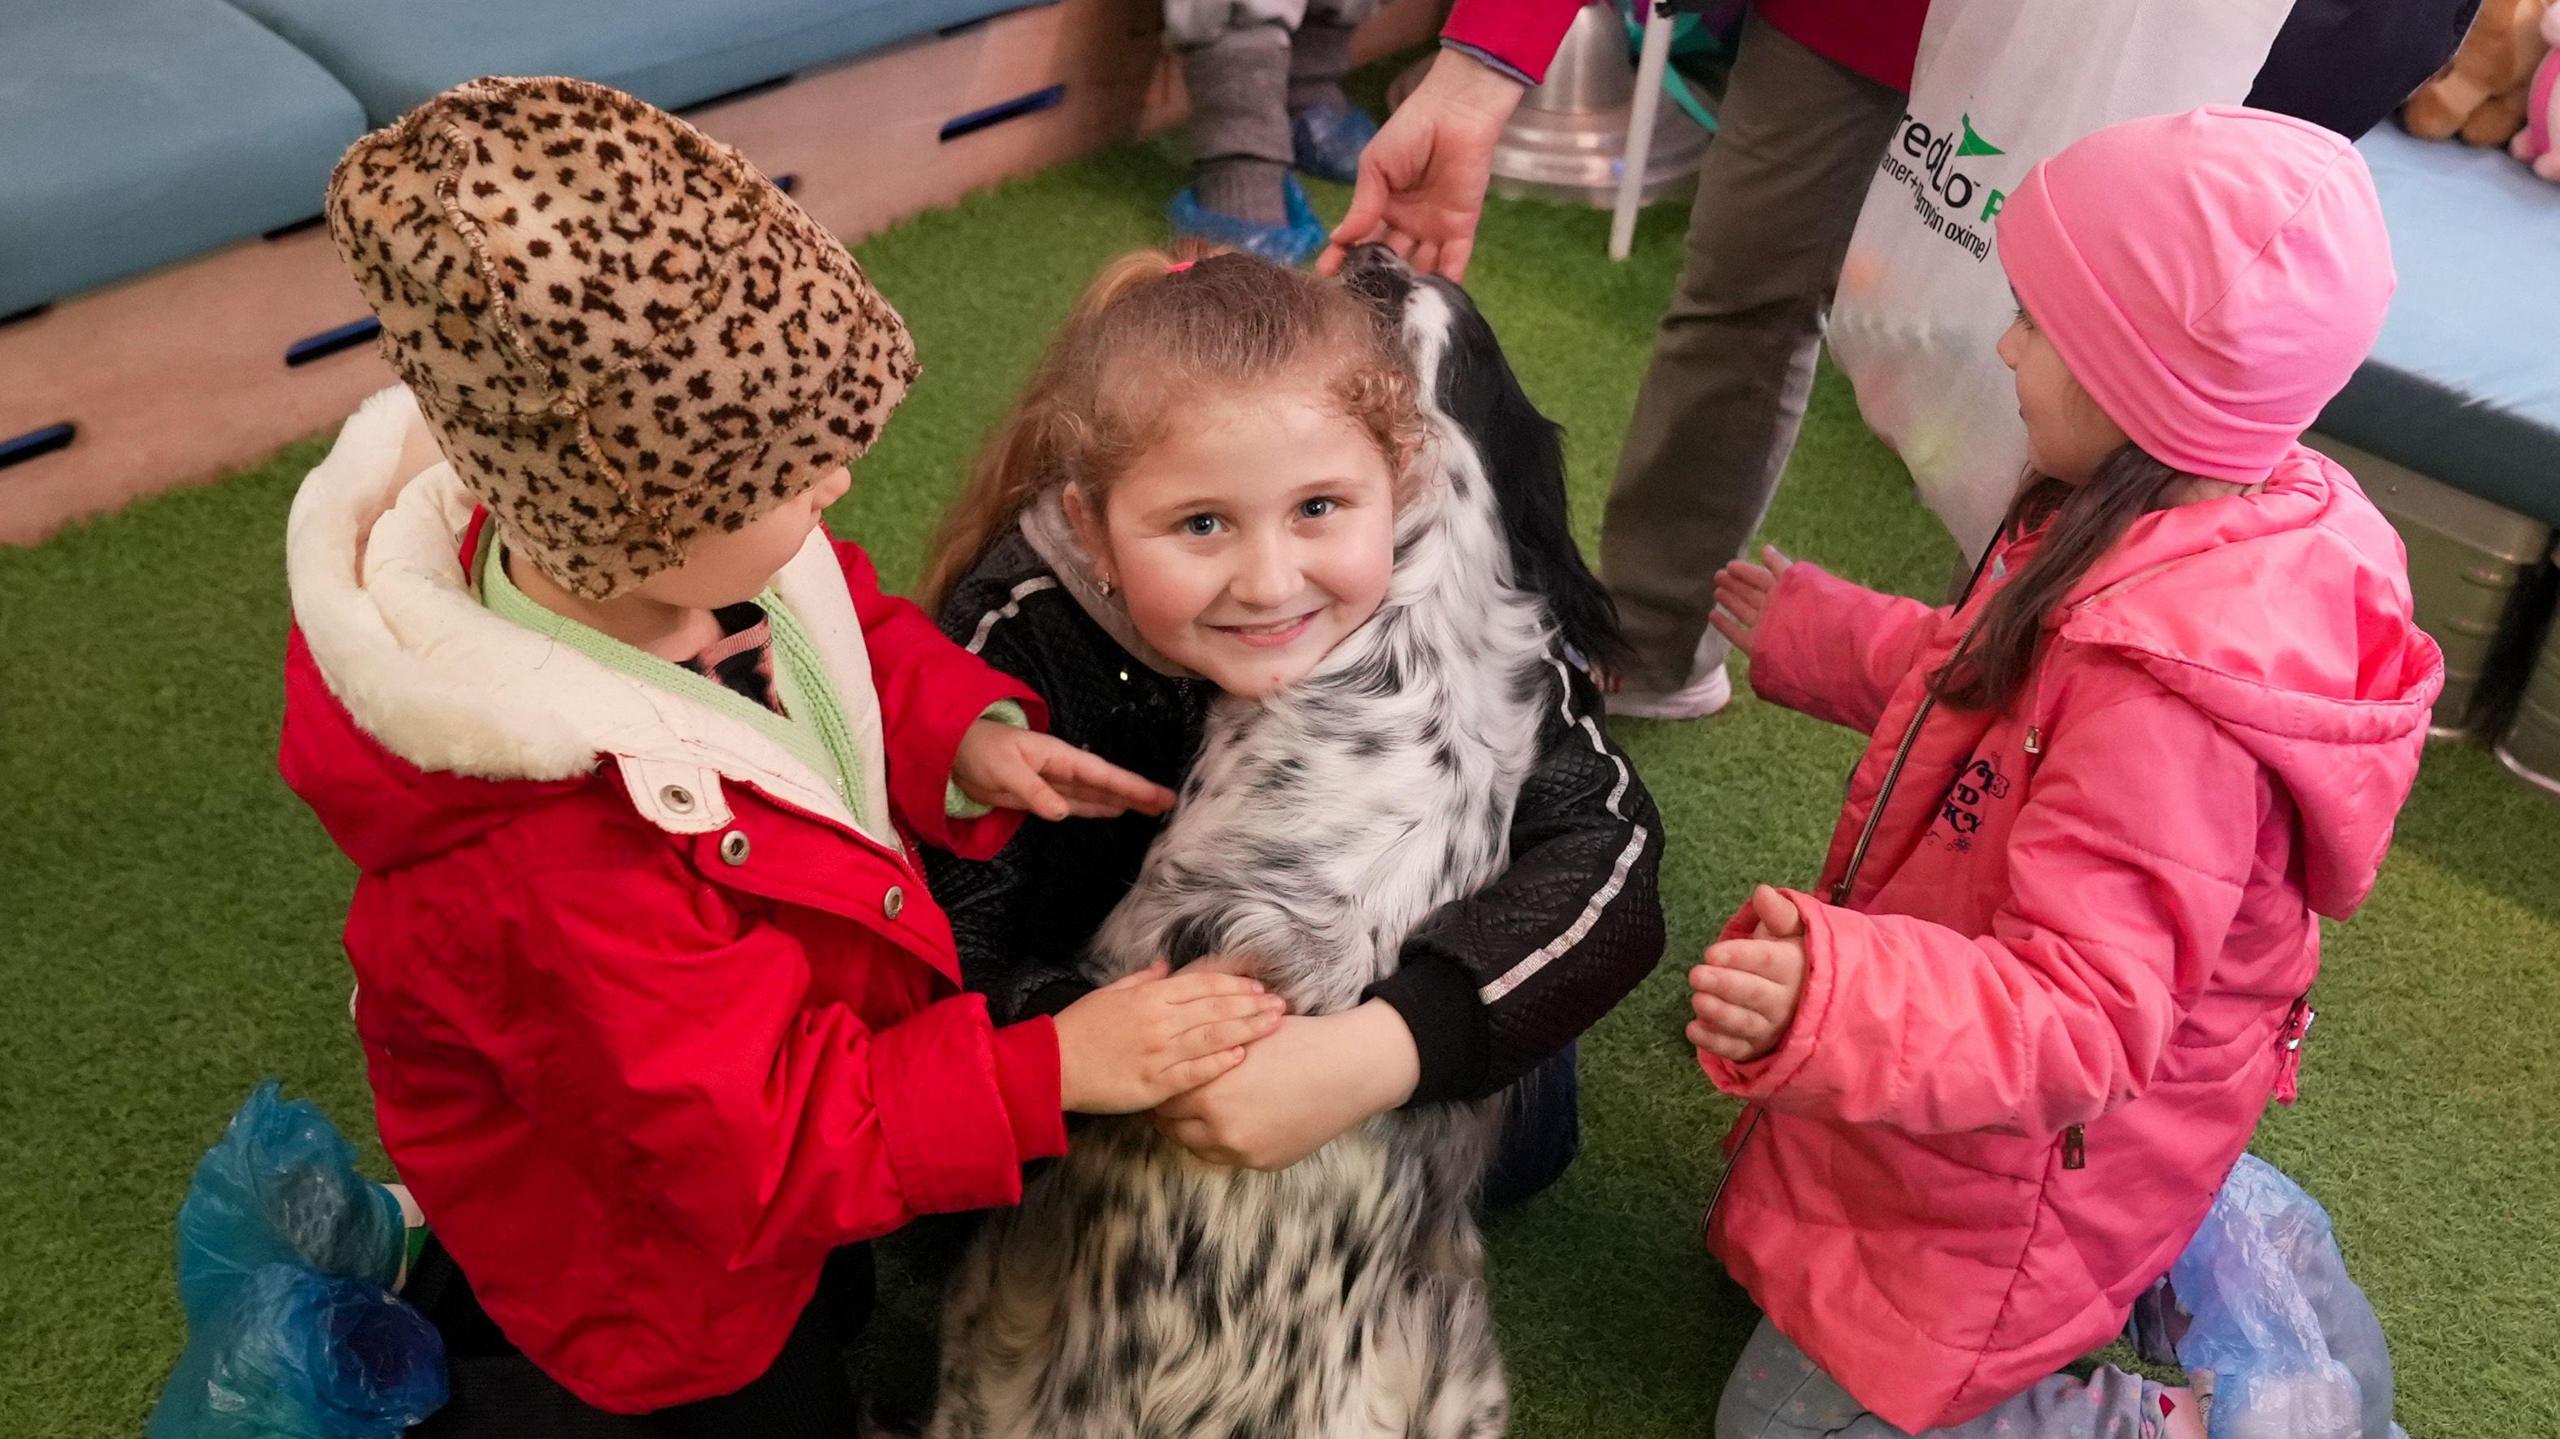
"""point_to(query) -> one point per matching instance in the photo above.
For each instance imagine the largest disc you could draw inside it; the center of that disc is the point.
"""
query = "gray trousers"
(1241, 58)
(1189, 24)
(1778, 1393)
(1796, 144)
(2272, 1303)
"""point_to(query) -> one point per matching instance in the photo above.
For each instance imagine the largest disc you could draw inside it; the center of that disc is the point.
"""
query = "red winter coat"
(654, 1017)
(1876, 38)
(2045, 1020)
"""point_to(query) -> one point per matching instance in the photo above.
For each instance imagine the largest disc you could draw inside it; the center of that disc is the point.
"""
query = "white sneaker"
(1697, 699)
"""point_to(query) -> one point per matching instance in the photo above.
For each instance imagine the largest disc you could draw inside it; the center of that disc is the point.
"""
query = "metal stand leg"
(1655, 59)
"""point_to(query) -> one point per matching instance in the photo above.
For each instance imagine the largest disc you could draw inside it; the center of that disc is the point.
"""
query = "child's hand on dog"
(1316, 1078)
(1006, 767)
(1142, 1039)
(1742, 596)
(1745, 994)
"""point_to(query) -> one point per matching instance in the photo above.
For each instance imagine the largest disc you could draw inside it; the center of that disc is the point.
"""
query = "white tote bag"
(1999, 85)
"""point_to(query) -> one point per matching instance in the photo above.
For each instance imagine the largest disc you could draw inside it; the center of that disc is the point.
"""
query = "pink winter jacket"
(2044, 1021)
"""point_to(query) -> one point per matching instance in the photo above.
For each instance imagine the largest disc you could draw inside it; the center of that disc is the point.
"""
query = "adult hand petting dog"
(1423, 178)
(1312, 1080)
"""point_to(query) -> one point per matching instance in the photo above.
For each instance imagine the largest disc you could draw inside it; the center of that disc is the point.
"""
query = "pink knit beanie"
(2212, 279)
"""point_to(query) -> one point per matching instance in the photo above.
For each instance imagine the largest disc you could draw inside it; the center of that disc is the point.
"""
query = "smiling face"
(2068, 436)
(1250, 539)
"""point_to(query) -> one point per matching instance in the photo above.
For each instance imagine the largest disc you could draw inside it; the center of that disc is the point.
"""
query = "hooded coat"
(2041, 1023)
(656, 1016)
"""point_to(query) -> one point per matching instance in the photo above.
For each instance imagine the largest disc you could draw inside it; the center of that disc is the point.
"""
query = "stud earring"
(1103, 582)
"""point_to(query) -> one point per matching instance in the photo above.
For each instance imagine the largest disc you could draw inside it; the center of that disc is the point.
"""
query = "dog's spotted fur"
(1138, 1290)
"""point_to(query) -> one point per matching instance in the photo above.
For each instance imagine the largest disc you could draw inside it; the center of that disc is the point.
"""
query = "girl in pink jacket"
(1998, 1062)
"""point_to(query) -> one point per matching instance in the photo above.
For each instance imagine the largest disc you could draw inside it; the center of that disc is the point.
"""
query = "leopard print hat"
(622, 334)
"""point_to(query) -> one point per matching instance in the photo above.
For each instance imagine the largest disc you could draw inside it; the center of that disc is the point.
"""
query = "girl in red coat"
(660, 1020)
(2001, 1058)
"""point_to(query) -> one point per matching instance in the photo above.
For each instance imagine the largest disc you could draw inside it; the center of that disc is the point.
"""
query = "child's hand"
(1313, 1080)
(1010, 768)
(1742, 596)
(1140, 1040)
(1745, 994)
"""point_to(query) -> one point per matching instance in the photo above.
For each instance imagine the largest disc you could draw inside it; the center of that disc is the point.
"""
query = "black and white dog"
(1138, 1290)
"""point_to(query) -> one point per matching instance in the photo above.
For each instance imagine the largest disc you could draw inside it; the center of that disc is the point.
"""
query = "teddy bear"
(2480, 93)
(2538, 143)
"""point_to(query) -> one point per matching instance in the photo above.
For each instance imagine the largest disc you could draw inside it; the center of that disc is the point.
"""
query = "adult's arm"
(2347, 64)
(1518, 37)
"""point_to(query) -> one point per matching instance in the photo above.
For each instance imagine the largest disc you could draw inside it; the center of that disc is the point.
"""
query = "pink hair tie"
(1179, 268)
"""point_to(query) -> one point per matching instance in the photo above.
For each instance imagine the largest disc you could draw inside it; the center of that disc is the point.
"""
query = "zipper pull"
(2075, 1148)
(2297, 1028)
(1840, 892)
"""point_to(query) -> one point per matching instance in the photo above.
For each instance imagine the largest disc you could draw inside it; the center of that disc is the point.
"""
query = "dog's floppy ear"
(1523, 451)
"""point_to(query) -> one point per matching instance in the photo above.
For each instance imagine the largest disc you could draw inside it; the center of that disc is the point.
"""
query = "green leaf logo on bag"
(1956, 201)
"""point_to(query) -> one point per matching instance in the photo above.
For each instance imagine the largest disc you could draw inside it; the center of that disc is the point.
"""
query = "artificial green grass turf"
(169, 913)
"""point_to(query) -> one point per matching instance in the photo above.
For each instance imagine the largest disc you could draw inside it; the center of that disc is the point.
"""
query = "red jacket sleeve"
(931, 691)
(1836, 650)
(1522, 34)
(2127, 866)
(672, 1042)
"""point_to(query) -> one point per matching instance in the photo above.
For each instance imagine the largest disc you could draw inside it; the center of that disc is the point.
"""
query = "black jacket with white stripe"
(1491, 985)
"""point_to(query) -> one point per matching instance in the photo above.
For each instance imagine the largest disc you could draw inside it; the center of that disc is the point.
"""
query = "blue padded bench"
(2465, 384)
(2453, 424)
(671, 53)
(144, 131)
(136, 132)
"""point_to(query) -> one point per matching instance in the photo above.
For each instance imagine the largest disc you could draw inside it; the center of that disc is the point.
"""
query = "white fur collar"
(435, 678)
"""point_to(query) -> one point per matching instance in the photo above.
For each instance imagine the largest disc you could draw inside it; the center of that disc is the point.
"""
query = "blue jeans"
(1541, 1134)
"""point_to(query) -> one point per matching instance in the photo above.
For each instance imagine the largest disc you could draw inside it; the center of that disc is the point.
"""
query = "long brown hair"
(2081, 522)
(1147, 338)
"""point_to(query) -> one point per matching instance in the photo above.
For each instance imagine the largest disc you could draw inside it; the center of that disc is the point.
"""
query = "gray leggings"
(1190, 24)
(2261, 1294)
(1245, 63)
(1778, 1393)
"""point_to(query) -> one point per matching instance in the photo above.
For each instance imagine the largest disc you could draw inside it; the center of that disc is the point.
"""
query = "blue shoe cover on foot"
(298, 1354)
(1328, 140)
(1293, 243)
(286, 1256)
(2294, 1348)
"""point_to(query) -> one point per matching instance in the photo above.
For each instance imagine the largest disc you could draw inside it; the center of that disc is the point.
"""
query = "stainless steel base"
(2471, 571)
(1568, 140)
(2530, 749)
